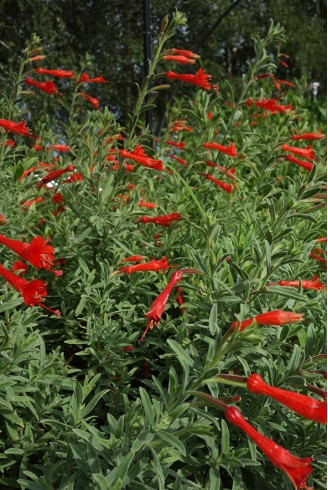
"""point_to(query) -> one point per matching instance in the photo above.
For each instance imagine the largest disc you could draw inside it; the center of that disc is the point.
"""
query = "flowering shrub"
(133, 380)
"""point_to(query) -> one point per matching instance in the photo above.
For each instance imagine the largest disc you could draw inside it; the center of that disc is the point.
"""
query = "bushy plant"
(134, 382)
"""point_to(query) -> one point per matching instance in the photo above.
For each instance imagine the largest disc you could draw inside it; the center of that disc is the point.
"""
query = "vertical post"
(146, 33)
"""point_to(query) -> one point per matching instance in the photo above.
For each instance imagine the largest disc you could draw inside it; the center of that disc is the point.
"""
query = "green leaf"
(171, 440)
(183, 357)
(213, 320)
(146, 403)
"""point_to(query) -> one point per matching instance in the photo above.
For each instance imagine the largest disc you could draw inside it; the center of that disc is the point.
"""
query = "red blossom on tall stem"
(270, 105)
(308, 136)
(148, 205)
(164, 220)
(226, 187)
(308, 153)
(54, 175)
(180, 144)
(276, 317)
(230, 150)
(180, 299)
(34, 292)
(93, 100)
(201, 79)
(138, 155)
(180, 160)
(302, 404)
(84, 78)
(18, 128)
(184, 52)
(297, 469)
(60, 148)
(179, 59)
(307, 165)
(37, 252)
(27, 204)
(153, 265)
(20, 266)
(55, 73)
(134, 258)
(158, 306)
(305, 283)
(48, 87)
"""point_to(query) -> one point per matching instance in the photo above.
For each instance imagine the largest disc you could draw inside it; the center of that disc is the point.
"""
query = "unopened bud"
(35, 51)
(160, 87)
(164, 24)
(3, 219)
(37, 58)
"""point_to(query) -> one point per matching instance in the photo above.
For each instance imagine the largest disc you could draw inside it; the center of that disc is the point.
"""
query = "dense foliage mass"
(163, 299)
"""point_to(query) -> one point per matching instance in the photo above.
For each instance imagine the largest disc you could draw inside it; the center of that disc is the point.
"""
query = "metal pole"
(146, 33)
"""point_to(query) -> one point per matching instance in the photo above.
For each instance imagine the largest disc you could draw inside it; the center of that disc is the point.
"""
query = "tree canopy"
(112, 34)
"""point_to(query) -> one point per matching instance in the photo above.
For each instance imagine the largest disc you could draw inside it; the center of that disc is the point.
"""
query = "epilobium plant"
(207, 376)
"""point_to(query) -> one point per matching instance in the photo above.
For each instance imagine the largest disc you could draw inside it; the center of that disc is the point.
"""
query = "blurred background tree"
(112, 33)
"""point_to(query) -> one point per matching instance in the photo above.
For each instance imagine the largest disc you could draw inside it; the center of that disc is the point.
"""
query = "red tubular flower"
(229, 173)
(276, 317)
(10, 143)
(134, 258)
(164, 220)
(264, 75)
(47, 87)
(270, 105)
(308, 136)
(306, 284)
(39, 57)
(139, 156)
(180, 160)
(184, 52)
(229, 150)
(308, 153)
(56, 73)
(20, 266)
(307, 165)
(303, 405)
(54, 175)
(179, 59)
(128, 348)
(180, 299)
(93, 100)
(18, 128)
(285, 82)
(37, 252)
(149, 205)
(77, 177)
(60, 148)
(34, 292)
(276, 84)
(158, 306)
(283, 63)
(201, 78)
(180, 127)
(84, 78)
(27, 204)
(57, 198)
(226, 187)
(37, 147)
(317, 257)
(321, 240)
(153, 265)
(181, 144)
(297, 469)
